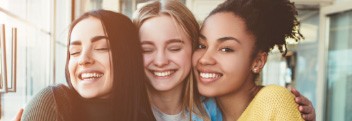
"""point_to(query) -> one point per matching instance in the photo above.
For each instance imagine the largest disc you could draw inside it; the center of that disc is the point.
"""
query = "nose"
(161, 59)
(207, 58)
(86, 58)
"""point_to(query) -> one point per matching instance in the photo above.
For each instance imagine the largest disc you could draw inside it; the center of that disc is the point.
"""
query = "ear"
(259, 62)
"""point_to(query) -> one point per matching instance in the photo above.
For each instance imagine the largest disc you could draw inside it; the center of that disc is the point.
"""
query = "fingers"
(302, 101)
(305, 109)
(295, 92)
(18, 115)
(308, 117)
(305, 106)
(308, 112)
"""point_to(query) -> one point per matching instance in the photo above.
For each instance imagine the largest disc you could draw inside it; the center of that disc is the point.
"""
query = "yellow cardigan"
(272, 103)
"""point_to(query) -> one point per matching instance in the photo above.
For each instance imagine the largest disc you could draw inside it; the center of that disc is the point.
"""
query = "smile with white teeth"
(163, 74)
(209, 75)
(91, 75)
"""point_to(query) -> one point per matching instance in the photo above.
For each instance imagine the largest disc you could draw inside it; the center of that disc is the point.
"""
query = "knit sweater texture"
(272, 103)
(44, 107)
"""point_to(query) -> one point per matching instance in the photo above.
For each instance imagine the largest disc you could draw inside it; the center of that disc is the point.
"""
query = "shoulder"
(275, 96)
(275, 92)
(43, 105)
(277, 103)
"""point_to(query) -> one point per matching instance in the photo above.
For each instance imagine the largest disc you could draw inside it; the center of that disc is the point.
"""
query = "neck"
(234, 104)
(169, 102)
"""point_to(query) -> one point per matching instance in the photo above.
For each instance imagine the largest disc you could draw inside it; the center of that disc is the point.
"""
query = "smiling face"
(167, 53)
(223, 60)
(89, 63)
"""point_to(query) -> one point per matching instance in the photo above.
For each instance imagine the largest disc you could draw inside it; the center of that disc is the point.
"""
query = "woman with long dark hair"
(104, 72)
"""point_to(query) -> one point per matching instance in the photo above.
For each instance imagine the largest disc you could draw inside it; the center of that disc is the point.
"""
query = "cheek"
(147, 58)
(72, 66)
(196, 56)
(103, 58)
(106, 62)
(235, 65)
(183, 58)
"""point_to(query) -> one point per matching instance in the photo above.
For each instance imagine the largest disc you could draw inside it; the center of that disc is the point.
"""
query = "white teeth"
(209, 75)
(91, 75)
(162, 74)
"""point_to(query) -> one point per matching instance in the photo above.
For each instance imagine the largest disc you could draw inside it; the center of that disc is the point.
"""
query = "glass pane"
(339, 105)
(63, 20)
(307, 54)
(83, 6)
(32, 20)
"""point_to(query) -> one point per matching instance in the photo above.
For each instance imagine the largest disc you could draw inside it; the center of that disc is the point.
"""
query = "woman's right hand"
(18, 115)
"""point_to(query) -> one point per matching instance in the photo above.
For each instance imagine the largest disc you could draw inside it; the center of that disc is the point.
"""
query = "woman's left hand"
(305, 106)
(18, 115)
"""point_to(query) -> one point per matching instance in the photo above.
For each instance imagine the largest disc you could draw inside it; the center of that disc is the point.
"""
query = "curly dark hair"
(270, 21)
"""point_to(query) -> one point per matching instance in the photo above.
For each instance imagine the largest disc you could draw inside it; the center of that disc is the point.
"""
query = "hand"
(18, 115)
(305, 106)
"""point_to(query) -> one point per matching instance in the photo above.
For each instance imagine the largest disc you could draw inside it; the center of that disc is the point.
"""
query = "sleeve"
(213, 110)
(282, 105)
(42, 107)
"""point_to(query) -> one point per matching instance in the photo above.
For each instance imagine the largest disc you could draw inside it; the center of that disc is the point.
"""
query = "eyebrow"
(202, 37)
(147, 42)
(94, 39)
(174, 41)
(222, 39)
(167, 42)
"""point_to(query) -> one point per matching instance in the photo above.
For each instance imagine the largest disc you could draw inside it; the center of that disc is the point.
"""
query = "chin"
(162, 88)
(208, 92)
(88, 94)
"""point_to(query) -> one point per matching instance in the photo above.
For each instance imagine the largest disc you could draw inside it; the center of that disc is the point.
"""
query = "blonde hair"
(184, 19)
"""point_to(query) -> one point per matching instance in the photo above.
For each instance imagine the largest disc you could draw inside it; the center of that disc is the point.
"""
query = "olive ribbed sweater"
(55, 103)
(44, 107)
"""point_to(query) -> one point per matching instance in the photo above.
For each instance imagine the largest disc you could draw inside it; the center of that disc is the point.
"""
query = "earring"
(255, 70)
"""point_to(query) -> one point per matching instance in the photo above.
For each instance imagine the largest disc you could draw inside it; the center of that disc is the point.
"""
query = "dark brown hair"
(270, 21)
(129, 96)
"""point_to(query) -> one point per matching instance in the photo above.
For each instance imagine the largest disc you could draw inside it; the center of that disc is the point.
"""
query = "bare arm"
(18, 115)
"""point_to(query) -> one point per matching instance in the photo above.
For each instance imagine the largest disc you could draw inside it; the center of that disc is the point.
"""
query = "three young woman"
(169, 34)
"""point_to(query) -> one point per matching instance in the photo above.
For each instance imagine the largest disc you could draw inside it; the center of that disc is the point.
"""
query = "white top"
(160, 116)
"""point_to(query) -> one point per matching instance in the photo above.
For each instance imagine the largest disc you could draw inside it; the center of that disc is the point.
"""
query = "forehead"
(162, 27)
(87, 28)
(225, 24)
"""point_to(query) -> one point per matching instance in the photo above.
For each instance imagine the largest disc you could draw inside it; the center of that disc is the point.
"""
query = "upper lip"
(204, 70)
(158, 70)
(88, 71)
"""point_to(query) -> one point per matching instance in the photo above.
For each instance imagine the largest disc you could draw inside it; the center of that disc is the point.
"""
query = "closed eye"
(75, 53)
(175, 48)
(102, 49)
(147, 50)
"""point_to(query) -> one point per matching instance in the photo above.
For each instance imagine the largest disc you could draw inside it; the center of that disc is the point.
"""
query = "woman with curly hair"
(233, 48)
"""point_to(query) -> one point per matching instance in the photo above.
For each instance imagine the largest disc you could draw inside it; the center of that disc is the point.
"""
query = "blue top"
(212, 109)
